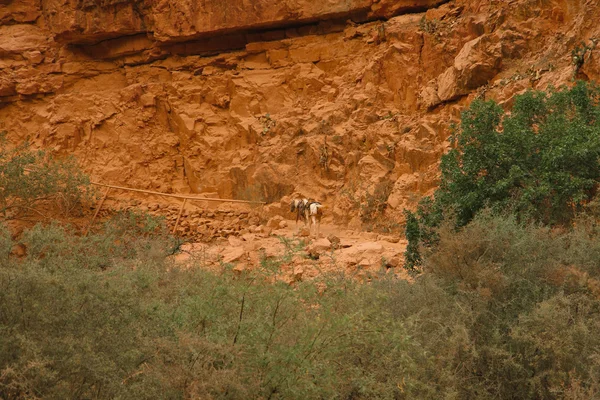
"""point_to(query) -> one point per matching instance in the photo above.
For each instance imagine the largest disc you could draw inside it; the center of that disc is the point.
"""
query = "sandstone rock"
(8, 87)
(591, 66)
(334, 240)
(275, 221)
(233, 254)
(181, 258)
(303, 232)
(142, 93)
(19, 250)
(395, 261)
(248, 237)
(272, 250)
(173, 20)
(477, 63)
(371, 170)
(389, 238)
(297, 274)
(19, 11)
(448, 85)
(238, 270)
(234, 242)
(365, 263)
(369, 247)
(318, 247)
(429, 97)
(266, 232)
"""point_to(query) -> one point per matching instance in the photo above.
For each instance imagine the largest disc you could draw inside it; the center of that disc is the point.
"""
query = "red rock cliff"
(265, 98)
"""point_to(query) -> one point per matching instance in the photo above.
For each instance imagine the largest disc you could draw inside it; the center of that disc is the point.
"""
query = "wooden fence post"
(97, 211)
(179, 215)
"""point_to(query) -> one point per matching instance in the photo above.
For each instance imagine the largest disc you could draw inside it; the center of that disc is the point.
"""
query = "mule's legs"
(318, 227)
(314, 223)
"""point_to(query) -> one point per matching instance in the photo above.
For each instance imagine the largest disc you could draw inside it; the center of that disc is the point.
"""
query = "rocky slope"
(348, 102)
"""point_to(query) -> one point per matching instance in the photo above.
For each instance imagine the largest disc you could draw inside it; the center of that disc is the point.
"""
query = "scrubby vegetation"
(507, 306)
(504, 311)
(31, 180)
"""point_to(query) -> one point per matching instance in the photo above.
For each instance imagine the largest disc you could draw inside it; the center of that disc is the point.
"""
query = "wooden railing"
(184, 197)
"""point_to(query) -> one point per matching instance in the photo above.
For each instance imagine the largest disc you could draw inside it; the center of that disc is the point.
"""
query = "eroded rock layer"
(343, 101)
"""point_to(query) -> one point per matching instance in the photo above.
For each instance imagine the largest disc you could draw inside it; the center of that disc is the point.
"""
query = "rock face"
(178, 20)
(265, 99)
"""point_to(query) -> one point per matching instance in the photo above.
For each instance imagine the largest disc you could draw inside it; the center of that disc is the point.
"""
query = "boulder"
(476, 64)
(318, 247)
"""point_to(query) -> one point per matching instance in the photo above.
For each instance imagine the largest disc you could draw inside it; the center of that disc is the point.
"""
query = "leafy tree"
(540, 160)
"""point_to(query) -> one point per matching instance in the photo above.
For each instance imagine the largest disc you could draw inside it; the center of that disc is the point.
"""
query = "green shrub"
(531, 305)
(539, 161)
(30, 178)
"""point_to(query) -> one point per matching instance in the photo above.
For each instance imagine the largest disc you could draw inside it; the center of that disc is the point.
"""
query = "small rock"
(319, 247)
(304, 232)
(283, 224)
(266, 232)
(233, 254)
(370, 235)
(238, 270)
(181, 258)
(248, 237)
(389, 238)
(297, 274)
(369, 246)
(19, 250)
(275, 221)
(234, 242)
(335, 241)
(394, 262)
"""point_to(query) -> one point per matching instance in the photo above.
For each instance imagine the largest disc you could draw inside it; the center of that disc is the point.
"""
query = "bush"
(502, 309)
(531, 305)
(539, 161)
(140, 329)
(31, 178)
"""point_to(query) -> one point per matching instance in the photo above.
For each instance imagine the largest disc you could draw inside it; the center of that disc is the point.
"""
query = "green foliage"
(528, 301)
(420, 231)
(579, 53)
(412, 257)
(30, 178)
(267, 122)
(501, 310)
(539, 161)
(428, 26)
(543, 163)
(141, 329)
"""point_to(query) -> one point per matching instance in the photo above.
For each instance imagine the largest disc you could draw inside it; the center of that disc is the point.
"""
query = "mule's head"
(293, 205)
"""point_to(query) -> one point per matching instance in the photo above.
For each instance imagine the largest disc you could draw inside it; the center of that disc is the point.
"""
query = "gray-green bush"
(30, 179)
(501, 310)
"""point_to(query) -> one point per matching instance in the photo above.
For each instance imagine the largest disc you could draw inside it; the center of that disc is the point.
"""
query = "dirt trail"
(363, 255)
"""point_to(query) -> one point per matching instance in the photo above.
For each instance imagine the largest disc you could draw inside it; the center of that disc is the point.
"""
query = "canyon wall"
(340, 100)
